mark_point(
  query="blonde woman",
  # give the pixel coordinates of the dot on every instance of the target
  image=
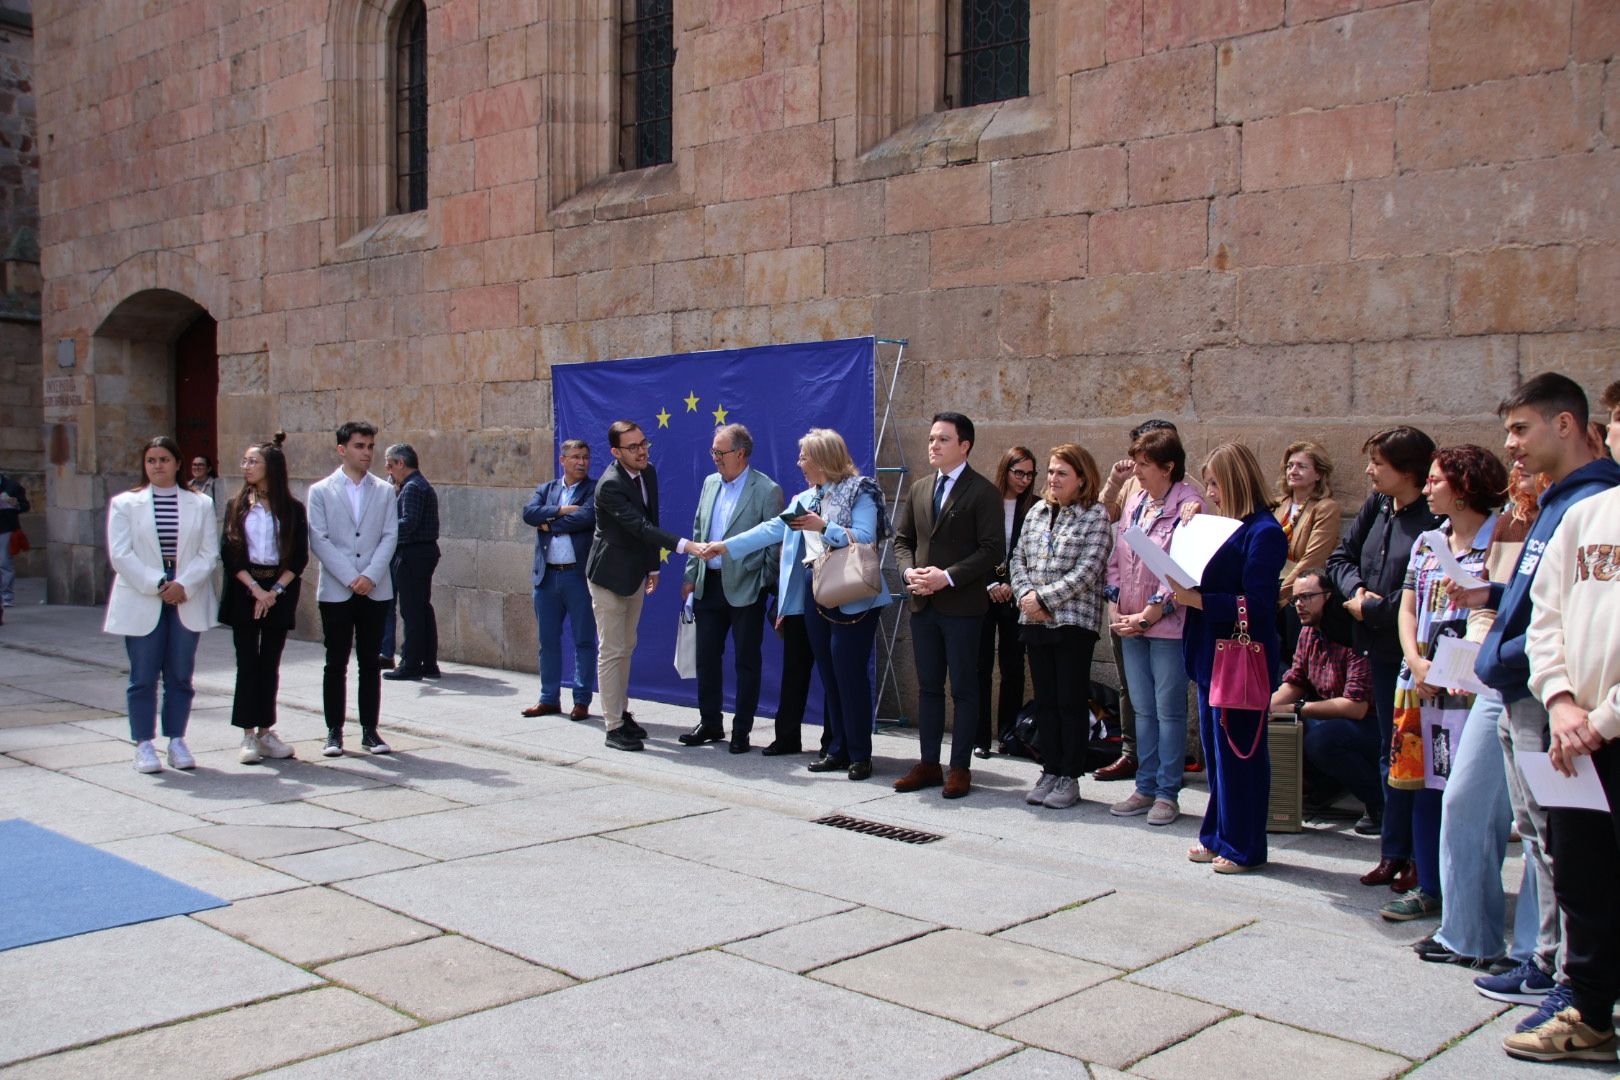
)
(1306, 510)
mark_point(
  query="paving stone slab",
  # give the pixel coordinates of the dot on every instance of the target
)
(229, 1044)
(10, 763)
(349, 861)
(13, 696)
(19, 668)
(1353, 989)
(292, 815)
(462, 775)
(699, 1016)
(81, 810)
(590, 907)
(1481, 1054)
(561, 815)
(1129, 929)
(970, 978)
(221, 783)
(1033, 1064)
(35, 736)
(820, 942)
(444, 977)
(1113, 1024)
(81, 989)
(63, 756)
(99, 688)
(923, 883)
(385, 803)
(315, 926)
(259, 842)
(202, 867)
(1255, 1049)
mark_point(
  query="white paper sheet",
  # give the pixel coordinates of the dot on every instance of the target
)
(1156, 560)
(1196, 541)
(1448, 562)
(1583, 791)
(1453, 667)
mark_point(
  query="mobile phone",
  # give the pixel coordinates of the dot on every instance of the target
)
(791, 515)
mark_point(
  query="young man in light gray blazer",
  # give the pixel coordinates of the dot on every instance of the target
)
(353, 529)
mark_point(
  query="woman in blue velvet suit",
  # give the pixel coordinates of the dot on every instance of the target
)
(1248, 566)
(839, 507)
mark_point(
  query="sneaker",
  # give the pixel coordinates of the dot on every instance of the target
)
(334, 744)
(251, 753)
(1369, 824)
(621, 739)
(1164, 812)
(1563, 1037)
(271, 746)
(1416, 904)
(1526, 984)
(370, 740)
(146, 759)
(180, 755)
(1064, 794)
(1558, 999)
(1432, 951)
(1043, 787)
(1138, 803)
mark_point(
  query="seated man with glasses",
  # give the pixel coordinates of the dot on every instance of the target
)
(1329, 686)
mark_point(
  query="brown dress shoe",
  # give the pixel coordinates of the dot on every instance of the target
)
(579, 712)
(1406, 880)
(921, 775)
(1123, 768)
(1384, 872)
(957, 783)
(542, 709)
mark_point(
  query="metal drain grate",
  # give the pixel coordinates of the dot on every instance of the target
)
(873, 828)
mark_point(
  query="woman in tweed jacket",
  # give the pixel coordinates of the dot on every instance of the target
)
(1057, 578)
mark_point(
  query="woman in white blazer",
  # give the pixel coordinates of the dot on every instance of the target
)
(163, 542)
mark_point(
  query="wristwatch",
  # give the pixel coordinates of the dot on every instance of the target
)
(1298, 705)
(278, 588)
(1142, 624)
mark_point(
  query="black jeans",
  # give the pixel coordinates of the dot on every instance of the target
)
(1001, 621)
(716, 618)
(1585, 848)
(413, 568)
(258, 673)
(1061, 671)
(798, 665)
(355, 624)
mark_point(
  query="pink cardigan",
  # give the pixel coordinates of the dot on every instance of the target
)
(1128, 574)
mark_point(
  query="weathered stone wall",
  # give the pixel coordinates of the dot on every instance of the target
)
(1265, 220)
(21, 443)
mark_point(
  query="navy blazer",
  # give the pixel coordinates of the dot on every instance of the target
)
(1249, 564)
(543, 509)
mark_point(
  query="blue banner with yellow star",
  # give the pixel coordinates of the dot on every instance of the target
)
(778, 392)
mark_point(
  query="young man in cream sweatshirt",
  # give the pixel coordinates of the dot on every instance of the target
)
(1573, 644)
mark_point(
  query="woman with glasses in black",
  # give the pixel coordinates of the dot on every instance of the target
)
(1015, 479)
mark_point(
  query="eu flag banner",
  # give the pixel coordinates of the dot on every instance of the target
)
(778, 392)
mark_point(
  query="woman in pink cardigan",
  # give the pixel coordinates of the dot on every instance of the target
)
(1143, 614)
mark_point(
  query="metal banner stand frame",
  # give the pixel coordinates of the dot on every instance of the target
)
(889, 461)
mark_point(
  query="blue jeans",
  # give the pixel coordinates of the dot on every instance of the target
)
(843, 652)
(1475, 821)
(169, 651)
(8, 574)
(1157, 680)
(1346, 752)
(564, 594)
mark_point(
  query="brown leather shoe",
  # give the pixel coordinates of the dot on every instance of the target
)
(958, 782)
(1406, 880)
(1123, 768)
(579, 712)
(1384, 872)
(921, 775)
(542, 709)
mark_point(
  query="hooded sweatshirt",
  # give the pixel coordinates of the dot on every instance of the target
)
(1574, 636)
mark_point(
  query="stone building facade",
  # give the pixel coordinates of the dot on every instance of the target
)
(1266, 219)
(21, 449)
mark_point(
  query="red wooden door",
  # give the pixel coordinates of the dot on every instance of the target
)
(196, 393)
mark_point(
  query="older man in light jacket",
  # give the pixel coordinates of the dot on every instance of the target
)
(353, 529)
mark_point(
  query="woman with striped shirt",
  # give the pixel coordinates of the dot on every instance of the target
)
(163, 543)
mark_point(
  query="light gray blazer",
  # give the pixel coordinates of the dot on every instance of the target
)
(347, 548)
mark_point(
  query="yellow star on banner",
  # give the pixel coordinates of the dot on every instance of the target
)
(720, 415)
(691, 400)
(663, 555)
(663, 416)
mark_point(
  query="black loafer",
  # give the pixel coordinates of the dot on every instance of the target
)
(700, 735)
(403, 675)
(776, 749)
(740, 746)
(861, 770)
(828, 764)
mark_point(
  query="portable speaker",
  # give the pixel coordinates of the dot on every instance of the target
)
(1285, 737)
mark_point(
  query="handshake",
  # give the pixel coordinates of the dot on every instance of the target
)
(705, 551)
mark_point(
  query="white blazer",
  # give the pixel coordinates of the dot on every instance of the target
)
(348, 548)
(133, 607)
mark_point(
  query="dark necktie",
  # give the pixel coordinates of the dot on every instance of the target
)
(641, 486)
(939, 493)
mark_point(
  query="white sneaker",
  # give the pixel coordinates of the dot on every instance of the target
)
(271, 746)
(251, 753)
(180, 755)
(1043, 787)
(146, 759)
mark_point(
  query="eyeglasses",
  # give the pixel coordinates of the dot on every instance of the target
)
(1022, 474)
(1306, 596)
(720, 455)
(636, 447)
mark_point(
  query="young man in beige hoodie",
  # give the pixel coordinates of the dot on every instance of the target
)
(1574, 648)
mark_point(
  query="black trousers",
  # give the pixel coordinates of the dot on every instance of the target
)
(258, 673)
(413, 568)
(798, 664)
(941, 645)
(1061, 671)
(999, 637)
(1585, 847)
(717, 617)
(355, 624)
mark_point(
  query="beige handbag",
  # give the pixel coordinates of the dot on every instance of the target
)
(847, 574)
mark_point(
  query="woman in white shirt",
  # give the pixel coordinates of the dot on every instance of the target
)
(163, 544)
(265, 549)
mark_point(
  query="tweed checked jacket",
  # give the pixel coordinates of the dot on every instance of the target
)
(1062, 554)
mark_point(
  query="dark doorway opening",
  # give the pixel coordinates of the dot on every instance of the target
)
(196, 391)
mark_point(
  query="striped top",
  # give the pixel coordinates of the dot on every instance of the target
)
(166, 508)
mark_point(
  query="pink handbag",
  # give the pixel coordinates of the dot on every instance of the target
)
(1240, 679)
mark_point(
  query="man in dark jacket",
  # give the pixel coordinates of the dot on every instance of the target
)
(563, 515)
(13, 503)
(415, 558)
(1546, 433)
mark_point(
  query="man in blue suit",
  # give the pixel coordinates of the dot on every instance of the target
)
(563, 514)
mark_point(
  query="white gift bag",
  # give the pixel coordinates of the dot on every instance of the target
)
(686, 645)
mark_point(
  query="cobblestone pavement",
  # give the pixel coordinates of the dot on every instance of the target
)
(506, 897)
